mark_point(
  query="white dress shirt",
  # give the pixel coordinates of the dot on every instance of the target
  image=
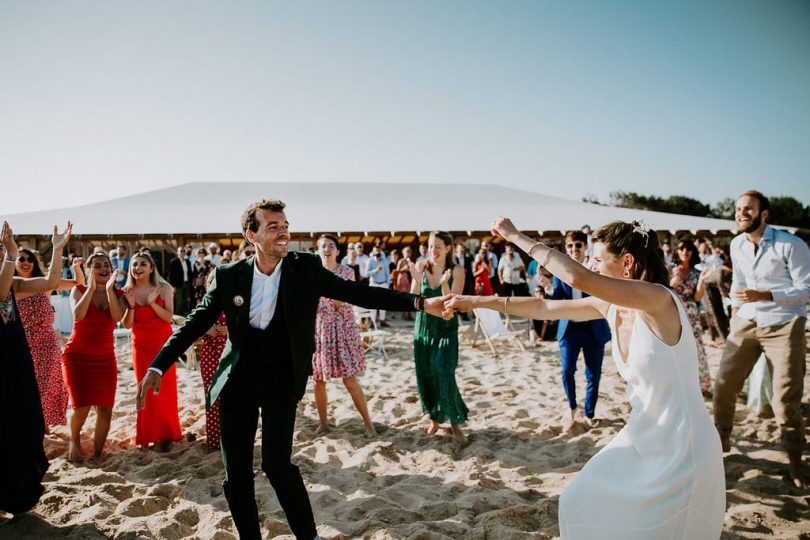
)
(264, 296)
(510, 268)
(263, 299)
(781, 265)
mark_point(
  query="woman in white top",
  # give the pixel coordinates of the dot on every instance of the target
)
(662, 475)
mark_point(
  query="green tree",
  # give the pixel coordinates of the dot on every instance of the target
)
(679, 204)
(724, 209)
(630, 199)
(591, 198)
(788, 211)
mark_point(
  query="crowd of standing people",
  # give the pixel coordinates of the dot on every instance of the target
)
(269, 318)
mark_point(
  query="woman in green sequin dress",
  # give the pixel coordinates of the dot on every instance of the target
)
(435, 341)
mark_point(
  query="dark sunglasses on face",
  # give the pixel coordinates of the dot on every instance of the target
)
(577, 245)
(24, 259)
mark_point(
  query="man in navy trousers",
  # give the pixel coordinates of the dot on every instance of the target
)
(588, 336)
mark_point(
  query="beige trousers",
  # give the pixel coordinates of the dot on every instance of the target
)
(784, 348)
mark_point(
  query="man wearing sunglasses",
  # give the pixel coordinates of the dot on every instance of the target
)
(588, 336)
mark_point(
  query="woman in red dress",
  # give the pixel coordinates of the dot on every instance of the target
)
(149, 310)
(37, 316)
(483, 286)
(88, 361)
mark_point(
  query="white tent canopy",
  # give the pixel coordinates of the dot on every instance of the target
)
(215, 208)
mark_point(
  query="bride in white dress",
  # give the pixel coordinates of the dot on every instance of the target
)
(662, 476)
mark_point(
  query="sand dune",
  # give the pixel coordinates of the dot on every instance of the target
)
(404, 483)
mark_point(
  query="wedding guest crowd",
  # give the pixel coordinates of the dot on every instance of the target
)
(769, 291)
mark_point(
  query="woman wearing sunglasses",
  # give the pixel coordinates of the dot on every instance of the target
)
(687, 281)
(38, 318)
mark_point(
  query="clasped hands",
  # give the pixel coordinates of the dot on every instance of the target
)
(445, 307)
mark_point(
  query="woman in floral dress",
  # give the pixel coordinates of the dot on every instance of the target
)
(338, 349)
(37, 316)
(687, 282)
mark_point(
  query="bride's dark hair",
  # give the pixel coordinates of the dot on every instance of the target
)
(635, 238)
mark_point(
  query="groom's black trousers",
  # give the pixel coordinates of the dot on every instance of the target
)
(261, 386)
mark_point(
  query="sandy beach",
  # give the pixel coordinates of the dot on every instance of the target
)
(404, 483)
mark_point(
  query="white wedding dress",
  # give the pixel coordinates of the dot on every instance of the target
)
(662, 476)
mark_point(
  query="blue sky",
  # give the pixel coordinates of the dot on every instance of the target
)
(705, 99)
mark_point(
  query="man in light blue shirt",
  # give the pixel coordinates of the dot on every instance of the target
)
(379, 275)
(770, 290)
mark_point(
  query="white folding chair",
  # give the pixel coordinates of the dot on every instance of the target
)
(372, 337)
(493, 328)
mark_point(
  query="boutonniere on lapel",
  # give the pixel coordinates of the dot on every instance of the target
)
(238, 301)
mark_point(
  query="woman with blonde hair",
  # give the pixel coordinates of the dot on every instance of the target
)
(149, 311)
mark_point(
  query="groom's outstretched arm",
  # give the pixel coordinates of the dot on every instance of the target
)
(198, 322)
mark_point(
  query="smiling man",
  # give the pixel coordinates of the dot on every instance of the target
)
(270, 301)
(770, 289)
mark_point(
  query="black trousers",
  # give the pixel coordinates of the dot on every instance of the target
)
(242, 400)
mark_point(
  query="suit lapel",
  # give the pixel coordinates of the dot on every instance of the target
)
(286, 284)
(243, 288)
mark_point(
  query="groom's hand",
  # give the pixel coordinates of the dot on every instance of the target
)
(152, 380)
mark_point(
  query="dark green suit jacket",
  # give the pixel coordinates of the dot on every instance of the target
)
(304, 281)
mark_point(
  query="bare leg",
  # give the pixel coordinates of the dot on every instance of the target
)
(359, 400)
(460, 438)
(795, 468)
(77, 419)
(569, 420)
(320, 404)
(103, 419)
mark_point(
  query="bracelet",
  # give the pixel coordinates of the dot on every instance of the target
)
(545, 259)
(419, 302)
(531, 249)
(548, 253)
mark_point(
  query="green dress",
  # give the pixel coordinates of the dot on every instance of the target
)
(435, 353)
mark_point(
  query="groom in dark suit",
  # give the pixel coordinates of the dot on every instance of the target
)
(588, 336)
(270, 301)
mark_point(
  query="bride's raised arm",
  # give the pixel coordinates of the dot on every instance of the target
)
(632, 290)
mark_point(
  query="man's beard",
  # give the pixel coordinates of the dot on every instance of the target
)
(752, 225)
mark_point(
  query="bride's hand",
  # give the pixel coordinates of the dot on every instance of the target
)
(503, 227)
(458, 303)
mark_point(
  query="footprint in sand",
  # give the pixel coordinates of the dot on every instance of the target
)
(169, 491)
(187, 516)
(142, 506)
(119, 492)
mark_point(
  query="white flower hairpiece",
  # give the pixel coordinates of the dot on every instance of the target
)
(643, 229)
